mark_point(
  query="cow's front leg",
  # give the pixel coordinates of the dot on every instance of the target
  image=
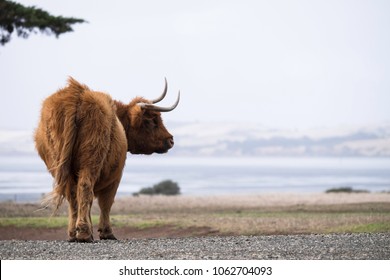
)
(105, 200)
(84, 202)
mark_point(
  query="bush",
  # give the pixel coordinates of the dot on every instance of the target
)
(345, 190)
(148, 191)
(166, 187)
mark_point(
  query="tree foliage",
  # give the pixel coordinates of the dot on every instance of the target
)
(26, 20)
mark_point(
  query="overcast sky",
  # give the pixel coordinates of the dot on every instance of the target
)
(286, 64)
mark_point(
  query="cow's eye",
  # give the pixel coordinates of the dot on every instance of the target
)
(151, 124)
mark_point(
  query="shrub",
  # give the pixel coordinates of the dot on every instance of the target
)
(148, 191)
(166, 187)
(345, 190)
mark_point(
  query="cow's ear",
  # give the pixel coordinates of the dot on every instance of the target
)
(136, 115)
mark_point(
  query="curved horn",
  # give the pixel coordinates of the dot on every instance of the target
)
(158, 108)
(162, 95)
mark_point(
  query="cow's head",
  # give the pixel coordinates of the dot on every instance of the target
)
(147, 133)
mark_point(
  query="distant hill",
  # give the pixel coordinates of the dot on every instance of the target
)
(243, 139)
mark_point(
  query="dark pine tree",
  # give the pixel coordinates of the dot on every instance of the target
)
(26, 20)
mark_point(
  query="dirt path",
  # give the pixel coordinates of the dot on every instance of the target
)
(30, 233)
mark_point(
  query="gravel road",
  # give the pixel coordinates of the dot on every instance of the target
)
(301, 247)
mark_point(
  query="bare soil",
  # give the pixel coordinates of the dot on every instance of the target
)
(33, 233)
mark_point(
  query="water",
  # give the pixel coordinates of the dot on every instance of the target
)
(26, 178)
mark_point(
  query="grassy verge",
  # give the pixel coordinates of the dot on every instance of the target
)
(62, 221)
(298, 219)
(35, 222)
(368, 227)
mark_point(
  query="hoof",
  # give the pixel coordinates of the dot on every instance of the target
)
(84, 234)
(85, 239)
(72, 235)
(108, 237)
(106, 234)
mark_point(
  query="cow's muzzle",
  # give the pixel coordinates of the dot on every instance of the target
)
(170, 143)
(167, 144)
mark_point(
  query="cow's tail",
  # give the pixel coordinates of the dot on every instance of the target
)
(66, 136)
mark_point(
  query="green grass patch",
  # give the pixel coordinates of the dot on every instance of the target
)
(365, 228)
(35, 222)
(62, 221)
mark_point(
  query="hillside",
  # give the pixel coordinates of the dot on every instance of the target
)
(240, 139)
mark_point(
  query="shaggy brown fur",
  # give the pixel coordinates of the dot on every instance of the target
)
(83, 137)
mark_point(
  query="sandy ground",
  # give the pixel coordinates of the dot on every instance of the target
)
(246, 201)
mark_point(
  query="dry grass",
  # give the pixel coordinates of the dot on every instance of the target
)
(144, 204)
(248, 215)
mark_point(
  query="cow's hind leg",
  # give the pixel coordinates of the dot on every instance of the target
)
(71, 196)
(105, 200)
(84, 203)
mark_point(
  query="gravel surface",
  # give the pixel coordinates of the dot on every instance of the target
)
(300, 247)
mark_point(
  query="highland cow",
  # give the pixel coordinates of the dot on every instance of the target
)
(83, 137)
